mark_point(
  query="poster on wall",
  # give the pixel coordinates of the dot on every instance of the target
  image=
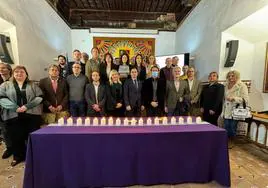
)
(265, 80)
(132, 46)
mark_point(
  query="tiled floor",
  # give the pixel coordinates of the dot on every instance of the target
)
(249, 169)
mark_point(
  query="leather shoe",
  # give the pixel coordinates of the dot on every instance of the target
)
(7, 153)
(15, 162)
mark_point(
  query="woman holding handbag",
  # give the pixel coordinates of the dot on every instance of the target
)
(234, 94)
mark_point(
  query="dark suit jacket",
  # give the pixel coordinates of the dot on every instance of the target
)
(166, 73)
(132, 94)
(70, 66)
(52, 98)
(212, 97)
(111, 96)
(142, 73)
(104, 77)
(90, 97)
(147, 92)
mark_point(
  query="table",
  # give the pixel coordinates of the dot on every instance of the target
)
(123, 156)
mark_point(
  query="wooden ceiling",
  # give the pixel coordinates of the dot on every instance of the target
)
(164, 15)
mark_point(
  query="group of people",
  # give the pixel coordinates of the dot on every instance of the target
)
(95, 87)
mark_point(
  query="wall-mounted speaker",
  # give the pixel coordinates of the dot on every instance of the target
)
(5, 47)
(231, 52)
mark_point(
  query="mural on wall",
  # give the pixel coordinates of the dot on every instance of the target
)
(132, 46)
(265, 80)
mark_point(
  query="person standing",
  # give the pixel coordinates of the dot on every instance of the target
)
(55, 95)
(177, 95)
(95, 96)
(76, 84)
(21, 102)
(166, 73)
(77, 59)
(211, 99)
(132, 94)
(63, 66)
(93, 64)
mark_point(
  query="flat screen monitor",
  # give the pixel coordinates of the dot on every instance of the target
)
(183, 59)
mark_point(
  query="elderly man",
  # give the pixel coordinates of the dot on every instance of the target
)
(166, 72)
(211, 99)
(175, 61)
(55, 94)
(177, 95)
(195, 88)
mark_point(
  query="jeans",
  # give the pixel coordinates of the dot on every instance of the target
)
(77, 108)
(230, 125)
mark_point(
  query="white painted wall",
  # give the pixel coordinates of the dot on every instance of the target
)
(164, 41)
(200, 34)
(41, 33)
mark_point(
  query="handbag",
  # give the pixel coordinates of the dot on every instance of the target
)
(242, 113)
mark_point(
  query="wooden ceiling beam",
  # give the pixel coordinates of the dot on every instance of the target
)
(116, 11)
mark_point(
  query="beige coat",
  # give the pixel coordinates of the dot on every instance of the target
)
(239, 91)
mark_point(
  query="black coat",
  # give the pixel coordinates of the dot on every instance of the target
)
(212, 97)
(113, 96)
(103, 75)
(147, 92)
(132, 94)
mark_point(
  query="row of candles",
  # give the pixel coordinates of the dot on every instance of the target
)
(126, 121)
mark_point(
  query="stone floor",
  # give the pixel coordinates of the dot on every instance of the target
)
(249, 169)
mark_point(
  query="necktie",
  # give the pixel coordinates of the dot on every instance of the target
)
(136, 84)
(54, 85)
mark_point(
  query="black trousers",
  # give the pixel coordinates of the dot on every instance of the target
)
(212, 119)
(19, 129)
(134, 112)
(5, 136)
(154, 111)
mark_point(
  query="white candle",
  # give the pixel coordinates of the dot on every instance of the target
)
(118, 122)
(87, 121)
(149, 121)
(198, 120)
(95, 121)
(126, 122)
(110, 121)
(181, 120)
(133, 121)
(79, 121)
(164, 121)
(61, 121)
(103, 121)
(189, 120)
(70, 121)
(173, 121)
(156, 121)
(141, 121)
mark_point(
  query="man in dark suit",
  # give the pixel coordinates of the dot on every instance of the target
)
(153, 93)
(166, 73)
(211, 99)
(132, 94)
(77, 59)
(95, 96)
(177, 95)
(55, 95)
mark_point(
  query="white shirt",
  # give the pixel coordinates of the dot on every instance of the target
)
(96, 87)
(190, 82)
(177, 85)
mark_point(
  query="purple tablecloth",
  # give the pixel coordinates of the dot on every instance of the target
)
(122, 156)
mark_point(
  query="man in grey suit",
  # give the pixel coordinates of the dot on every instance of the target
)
(195, 92)
(177, 94)
(132, 94)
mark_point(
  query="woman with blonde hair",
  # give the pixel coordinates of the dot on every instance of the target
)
(21, 102)
(235, 92)
(114, 91)
(151, 63)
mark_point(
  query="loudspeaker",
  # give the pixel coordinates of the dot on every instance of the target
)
(231, 52)
(4, 51)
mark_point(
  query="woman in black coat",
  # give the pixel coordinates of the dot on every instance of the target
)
(106, 67)
(141, 69)
(114, 92)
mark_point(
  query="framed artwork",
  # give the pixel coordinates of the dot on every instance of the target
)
(265, 80)
(132, 46)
